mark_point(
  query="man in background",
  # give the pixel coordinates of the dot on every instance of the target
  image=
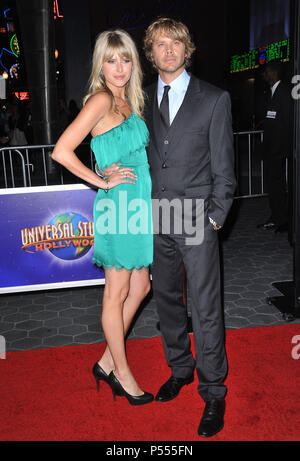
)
(276, 145)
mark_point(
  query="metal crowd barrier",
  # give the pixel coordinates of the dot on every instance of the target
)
(249, 164)
(26, 166)
(32, 165)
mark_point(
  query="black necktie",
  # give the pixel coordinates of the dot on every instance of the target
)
(164, 107)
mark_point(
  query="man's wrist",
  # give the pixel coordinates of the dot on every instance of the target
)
(107, 184)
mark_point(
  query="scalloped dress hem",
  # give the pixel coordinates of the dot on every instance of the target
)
(119, 268)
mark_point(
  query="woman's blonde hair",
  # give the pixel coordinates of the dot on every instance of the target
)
(172, 29)
(107, 44)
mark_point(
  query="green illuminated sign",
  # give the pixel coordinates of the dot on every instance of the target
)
(14, 45)
(259, 56)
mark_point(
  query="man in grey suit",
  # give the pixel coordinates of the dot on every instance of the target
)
(191, 157)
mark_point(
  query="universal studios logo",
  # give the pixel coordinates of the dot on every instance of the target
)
(67, 236)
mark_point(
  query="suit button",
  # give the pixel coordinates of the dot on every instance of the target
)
(164, 165)
(163, 188)
(166, 141)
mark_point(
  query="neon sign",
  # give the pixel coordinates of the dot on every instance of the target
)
(5, 15)
(259, 56)
(56, 10)
(22, 95)
(9, 55)
(13, 71)
(14, 45)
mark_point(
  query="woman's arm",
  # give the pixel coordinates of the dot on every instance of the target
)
(89, 116)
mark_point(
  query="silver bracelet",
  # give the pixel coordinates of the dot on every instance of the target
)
(98, 171)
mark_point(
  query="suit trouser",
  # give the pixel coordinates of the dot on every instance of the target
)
(202, 268)
(276, 187)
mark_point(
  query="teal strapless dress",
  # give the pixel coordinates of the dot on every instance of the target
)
(122, 216)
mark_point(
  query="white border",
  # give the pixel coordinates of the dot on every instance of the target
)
(28, 190)
(52, 286)
(55, 285)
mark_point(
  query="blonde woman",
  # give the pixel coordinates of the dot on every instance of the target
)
(112, 113)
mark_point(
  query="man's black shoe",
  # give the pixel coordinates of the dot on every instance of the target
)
(269, 225)
(171, 388)
(212, 420)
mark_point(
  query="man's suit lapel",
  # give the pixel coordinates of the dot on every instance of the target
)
(277, 92)
(157, 124)
(175, 131)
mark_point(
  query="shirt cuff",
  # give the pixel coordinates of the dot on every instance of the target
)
(214, 223)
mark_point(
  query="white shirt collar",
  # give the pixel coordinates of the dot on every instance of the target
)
(178, 85)
(273, 88)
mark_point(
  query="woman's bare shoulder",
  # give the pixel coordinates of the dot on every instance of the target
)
(100, 101)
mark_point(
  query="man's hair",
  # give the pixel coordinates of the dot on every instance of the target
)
(172, 29)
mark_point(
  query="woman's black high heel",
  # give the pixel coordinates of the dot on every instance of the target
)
(118, 389)
(99, 374)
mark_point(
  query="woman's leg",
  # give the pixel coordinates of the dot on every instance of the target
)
(123, 294)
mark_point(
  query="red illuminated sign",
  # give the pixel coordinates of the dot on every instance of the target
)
(21, 95)
(56, 10)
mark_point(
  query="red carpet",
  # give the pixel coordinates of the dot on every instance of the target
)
(50, 394)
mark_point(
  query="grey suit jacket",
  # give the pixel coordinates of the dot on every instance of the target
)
(195, 157)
